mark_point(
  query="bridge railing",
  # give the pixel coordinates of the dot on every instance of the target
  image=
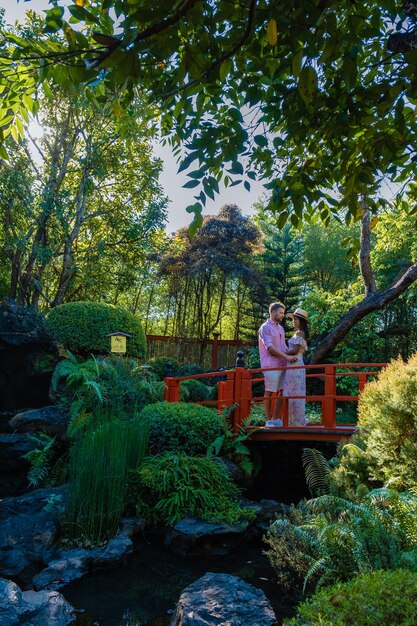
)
(235, 387)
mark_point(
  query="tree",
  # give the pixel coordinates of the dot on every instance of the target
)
(211, 275)
(80, 215)
(314, 97)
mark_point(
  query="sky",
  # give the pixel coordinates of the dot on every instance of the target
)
(171, 181)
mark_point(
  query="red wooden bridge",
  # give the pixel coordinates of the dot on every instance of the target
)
(236, 389)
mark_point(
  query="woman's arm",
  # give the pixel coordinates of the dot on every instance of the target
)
(294, 350)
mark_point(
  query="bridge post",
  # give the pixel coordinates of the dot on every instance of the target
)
(362, 377)
(328, 417)
(172, 389)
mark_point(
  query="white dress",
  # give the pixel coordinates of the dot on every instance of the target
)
(295, 384)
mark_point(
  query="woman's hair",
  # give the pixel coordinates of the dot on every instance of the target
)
(303, 326)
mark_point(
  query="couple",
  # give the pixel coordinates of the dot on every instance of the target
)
(274, 352)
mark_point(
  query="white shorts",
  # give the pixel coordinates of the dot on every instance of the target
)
(274, 380)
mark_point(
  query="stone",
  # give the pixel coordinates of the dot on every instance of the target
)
(223, 600)
(70, 564)
(32, 608)
(13, 467)
(29, 529)
(266, 512)
(52, 420)
(195, 536)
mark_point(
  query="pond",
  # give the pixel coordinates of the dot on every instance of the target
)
(144, 591)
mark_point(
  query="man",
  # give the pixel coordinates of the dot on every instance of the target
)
(272, 351)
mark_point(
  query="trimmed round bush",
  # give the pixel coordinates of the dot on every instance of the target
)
(388, 422)
(181, 427)
(83, 327)
(194, 390)
(373, 599)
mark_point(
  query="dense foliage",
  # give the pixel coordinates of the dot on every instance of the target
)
(83, 327)
(181, 427)
(168, 487)
(388, 422)
(372, 599)
(99, 464)
(329, 538)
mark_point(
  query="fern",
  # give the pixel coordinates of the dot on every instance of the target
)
(40, 458)
(316, 469)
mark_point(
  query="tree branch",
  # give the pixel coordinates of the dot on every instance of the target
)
(371, 303)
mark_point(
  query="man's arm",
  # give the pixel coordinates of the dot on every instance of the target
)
(275, 352)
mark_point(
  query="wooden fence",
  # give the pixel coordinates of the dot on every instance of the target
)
(210, 353)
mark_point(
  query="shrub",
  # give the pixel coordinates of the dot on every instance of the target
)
(181, 426)
(328, 538)
(83, 327)
(169, 487)
(189, 369)
(350, 475)
(388, 422)
(159, 363)
(194, 391)
(373, 599)
(108, 381)
(99, 464)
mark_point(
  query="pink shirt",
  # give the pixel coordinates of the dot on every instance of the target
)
(271, 334)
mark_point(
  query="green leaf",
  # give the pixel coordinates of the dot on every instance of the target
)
(307, 84)
(297, 61)
(3, 153)
(195, 225)
(225, 69)
(191, 184)
(260, 140)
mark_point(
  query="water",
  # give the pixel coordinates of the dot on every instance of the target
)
(144, 591)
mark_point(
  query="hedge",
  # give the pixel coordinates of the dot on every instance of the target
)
(83, 327)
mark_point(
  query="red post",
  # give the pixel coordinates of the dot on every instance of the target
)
(328, 417)
(284, 411)
(214, 351)
(172, 389)
(237, 398)
(222, 396)
(362, 380)
(245, 395)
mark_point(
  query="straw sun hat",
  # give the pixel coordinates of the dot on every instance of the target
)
(299, 313)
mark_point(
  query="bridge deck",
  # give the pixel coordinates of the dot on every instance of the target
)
(313, 432)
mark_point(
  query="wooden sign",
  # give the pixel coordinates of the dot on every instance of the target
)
(118, 344)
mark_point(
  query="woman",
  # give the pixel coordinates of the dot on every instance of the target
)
(295, 379)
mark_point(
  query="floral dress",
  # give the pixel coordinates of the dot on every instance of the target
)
(295, 384)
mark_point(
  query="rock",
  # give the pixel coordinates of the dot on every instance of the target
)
(223, 600)
(266, 512)
(52, 420)
(27, 355)
(32, 608)
(13, 467)
(195, 536)
(29, 529)
(73, 563)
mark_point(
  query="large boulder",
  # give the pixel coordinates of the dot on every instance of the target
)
(52, 420)
(220, 600)
(13, 466)
(32, 608)
(195, 536)
(27, 357)
(71, 564)
(29, 529)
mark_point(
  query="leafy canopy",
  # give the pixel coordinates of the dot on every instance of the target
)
(316, 97)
